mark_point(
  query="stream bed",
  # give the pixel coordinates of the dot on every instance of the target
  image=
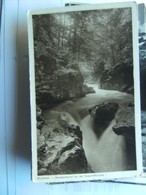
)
(107, 153)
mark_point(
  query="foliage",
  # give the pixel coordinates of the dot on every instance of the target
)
(87, 42)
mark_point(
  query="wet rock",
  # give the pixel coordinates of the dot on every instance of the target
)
(87, 89)
(125, 126)
(125, 130)
(62, 152)
(75, 130)
(103, 114)
(104, 111)
(125, 123)
(73, 160)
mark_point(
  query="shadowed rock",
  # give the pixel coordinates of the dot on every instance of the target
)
(125, 123)
(62, 85)
(142, 84)
(103, 114)
(104, 111)
(119, 77)
(87, 89)
(61, 150)
(125, 130)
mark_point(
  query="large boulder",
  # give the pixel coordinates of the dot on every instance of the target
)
(62, 85)
(125, 126)
(103, 114)
(87, 89)
(125, 122)
(60, 150)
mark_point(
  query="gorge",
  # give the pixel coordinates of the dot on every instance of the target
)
(84, 87)
(107, 153)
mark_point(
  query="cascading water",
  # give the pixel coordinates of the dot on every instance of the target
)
(107, 153)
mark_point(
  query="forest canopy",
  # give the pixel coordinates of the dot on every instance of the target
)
(85, 42)
(95, 40)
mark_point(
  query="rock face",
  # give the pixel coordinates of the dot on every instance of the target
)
(125, 123)
(125, 127)
(40, 120)
(103, 114)
(60, 86)
(60, 149)
(87, 89)
(119, 77)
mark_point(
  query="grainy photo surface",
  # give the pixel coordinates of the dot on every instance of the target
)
(142, 54)
(84, 92)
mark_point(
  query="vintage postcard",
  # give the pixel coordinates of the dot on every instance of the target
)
(84, 91)
(142, 58)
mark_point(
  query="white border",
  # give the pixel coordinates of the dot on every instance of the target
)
(91, 176)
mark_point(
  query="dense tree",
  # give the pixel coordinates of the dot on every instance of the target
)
(102, 36)
(87, 42)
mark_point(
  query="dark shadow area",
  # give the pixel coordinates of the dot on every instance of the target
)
(143, 83)
(22, 142)
(143, 108)
(131, 154)
(142, 49)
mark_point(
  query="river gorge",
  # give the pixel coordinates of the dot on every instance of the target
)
(108, 152)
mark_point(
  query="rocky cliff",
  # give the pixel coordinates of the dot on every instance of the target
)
(125, 122)
(60, 149)
(60, 86)
(119, 77)
(125, 126)
(104, 113)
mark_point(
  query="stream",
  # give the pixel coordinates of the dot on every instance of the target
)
(109, 152)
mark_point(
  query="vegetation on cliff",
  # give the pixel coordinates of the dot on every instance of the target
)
(72, 50)
(76, 47)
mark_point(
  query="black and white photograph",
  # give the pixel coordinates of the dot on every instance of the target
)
(85, 98)
(142, 58)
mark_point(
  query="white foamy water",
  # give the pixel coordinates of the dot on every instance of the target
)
(107, 153)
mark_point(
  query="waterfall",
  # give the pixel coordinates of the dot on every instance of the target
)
(107, 153)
